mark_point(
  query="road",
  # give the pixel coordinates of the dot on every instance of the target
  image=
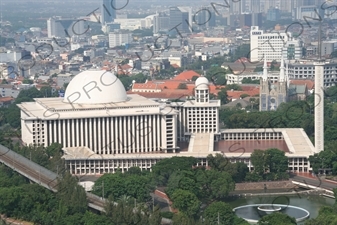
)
(317, 182)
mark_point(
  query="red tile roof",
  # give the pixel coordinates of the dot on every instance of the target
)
(186, 75)
(6, 99)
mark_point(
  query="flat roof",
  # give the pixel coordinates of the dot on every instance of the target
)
(295, 143)
(55, 108)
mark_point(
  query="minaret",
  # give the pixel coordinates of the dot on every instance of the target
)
(319, 97)
(265, 70)
(282, 73)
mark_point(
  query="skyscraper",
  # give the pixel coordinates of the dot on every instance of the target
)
(179, 20)
(108, 11)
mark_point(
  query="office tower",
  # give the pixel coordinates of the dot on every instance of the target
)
(108, 11)
(205, 18)
(267, 45)
(179, 20)
(60, 27)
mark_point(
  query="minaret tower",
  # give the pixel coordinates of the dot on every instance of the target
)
(202, 90)
(319, 97)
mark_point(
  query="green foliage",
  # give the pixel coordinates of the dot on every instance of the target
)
(128, 213)
(27, 81)
(217, 75)
(257, 69)
(186, 202)
(277, 219)
(28, 95)
(222, 96)
(241, 51)
(238, 171)
(272, 160)
(163, 169)
(182, 86)
(131, 184)
(250, 80)
(219, 212)
(72, 195)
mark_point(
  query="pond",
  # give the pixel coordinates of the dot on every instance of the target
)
(310, 203)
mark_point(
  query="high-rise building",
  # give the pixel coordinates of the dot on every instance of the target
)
(108, 11)
(119, 38)
(268, 45)
(273, 14)
(205, 17)
(179, 20)
(293, 49)
(60, 27)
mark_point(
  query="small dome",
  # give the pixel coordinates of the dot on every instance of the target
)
(95, 87)
(201, 82)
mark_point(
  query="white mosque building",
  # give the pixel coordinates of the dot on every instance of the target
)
(103, 129)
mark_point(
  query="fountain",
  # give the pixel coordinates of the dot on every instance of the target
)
(253, 213)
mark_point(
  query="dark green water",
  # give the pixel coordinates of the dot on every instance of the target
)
(310, 203)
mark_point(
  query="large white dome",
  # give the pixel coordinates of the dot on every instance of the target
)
(95, 87)
(201, 82)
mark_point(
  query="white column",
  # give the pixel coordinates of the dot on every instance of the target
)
(133, 133)
(90, 135)
(59, 131)
(94, 144)
(85, 130)
(68, 133)
(110, 144)
(116, 136)
(120, 135)
(129, 139)
(137, 135)
(104, 147)
(150, 132)
(50, 136)
(158, 137)
(77, 131)
(126, 146)
(319, 106)
(82, 131)
(72, 121)
(141, 127)
(99, 143)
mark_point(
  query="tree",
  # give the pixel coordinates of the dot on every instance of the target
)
(215, 185)
(163, 169)
(182, 86)
(258, 161)
(72, 195)
(250, 80)
(222, 96)
(217, 75)
(276, 160)
(194, 78)
(219, 212)
(277, 219)
(27, 81)
(186, 202)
